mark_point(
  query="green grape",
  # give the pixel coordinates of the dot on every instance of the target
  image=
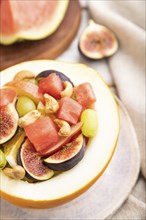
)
(3, 160)
(24, 105)
(90, 122)
(32, 80)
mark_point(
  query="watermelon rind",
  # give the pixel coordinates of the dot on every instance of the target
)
(38, 33)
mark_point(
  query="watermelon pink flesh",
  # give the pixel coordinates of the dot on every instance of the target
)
(18, 15)
(6, 19)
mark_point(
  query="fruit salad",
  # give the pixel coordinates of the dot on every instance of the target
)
(46, 122)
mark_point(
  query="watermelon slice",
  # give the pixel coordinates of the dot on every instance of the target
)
(30, 20)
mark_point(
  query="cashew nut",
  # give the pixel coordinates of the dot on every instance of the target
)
(41, 108)
(29, 118)
(64, 127)
(24, 74)
(51, 104)
(17, 172)
(68, 89)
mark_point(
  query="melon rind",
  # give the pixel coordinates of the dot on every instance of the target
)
(41, 32)
(70, 184)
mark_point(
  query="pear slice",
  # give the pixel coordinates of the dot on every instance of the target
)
(11, 148)
(100, 149)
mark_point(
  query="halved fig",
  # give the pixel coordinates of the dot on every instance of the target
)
(32, 163)
(8, 122)
(62, 76)
(97, 41)
(74, 130)
(68, 156)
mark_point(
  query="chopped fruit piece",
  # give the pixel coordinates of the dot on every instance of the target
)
(42, 133)
(28, 89)
(61, 75)
(11, 148)
(3, 160)
(25, 105)
(68, 156)
(90, 122)
(51, 85)
(75, 129)
(8, 122)
(84, 94)
(69, 110)
(35, 170)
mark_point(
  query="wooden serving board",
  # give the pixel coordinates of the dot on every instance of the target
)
(48, 48)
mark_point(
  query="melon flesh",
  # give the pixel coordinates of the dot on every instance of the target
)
(30, 19)
(70, 184)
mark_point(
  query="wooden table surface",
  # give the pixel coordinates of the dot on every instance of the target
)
(48, 48)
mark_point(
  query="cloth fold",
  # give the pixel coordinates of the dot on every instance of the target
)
(127, 66)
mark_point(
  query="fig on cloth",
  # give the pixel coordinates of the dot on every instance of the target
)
(97, 41)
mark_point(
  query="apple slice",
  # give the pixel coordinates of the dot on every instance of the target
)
(28, 89)
(64, 140)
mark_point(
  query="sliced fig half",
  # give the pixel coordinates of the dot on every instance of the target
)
(7, 96)
(62, 76)
(97, 41)
(32, 163)
(8, 122)
(68, 156)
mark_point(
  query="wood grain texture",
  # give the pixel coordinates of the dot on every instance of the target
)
(48, 48)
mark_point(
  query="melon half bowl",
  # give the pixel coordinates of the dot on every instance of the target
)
(68, 185)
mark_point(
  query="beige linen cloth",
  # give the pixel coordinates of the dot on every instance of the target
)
(127, 20)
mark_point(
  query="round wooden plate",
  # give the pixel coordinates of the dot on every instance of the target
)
(48, 48)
